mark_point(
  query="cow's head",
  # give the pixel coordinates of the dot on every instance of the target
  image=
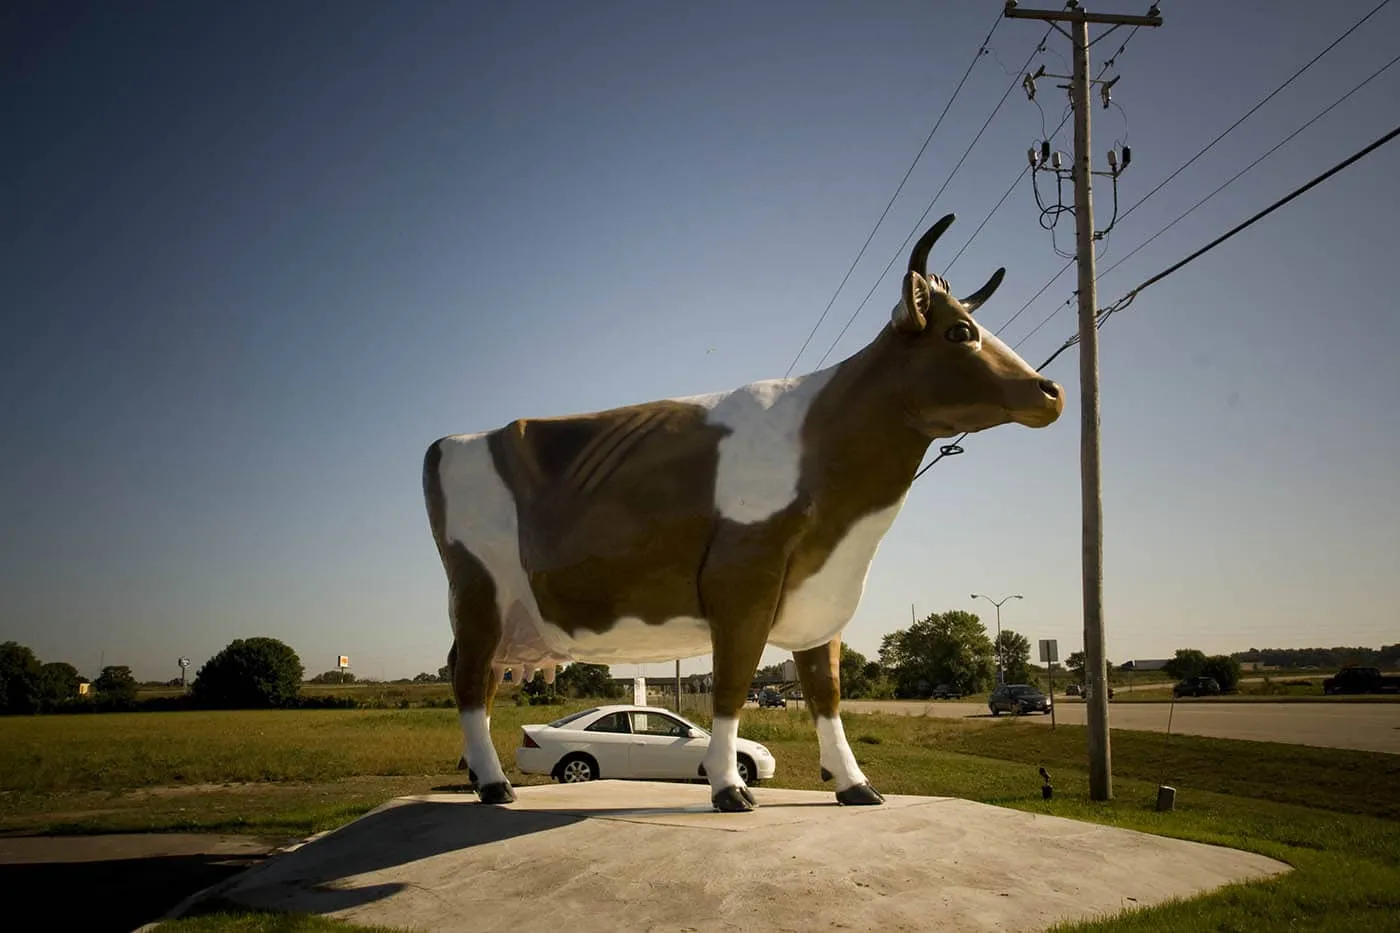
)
(955, 375)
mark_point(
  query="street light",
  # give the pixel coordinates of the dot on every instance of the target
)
(1000, 676)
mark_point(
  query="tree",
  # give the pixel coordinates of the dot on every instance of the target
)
(854, 680)
(445, 674)
(1187, 662)
(19, 679)
(116, 682)
(1225, 670)
(333, 677)
(951, 647)
(586, 680)
(1074, 663)
(250, 673)
(1015, 651)
(58, 681)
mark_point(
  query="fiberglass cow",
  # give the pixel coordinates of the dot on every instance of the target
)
(711, 524)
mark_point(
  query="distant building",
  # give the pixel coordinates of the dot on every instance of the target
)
(1150, 664)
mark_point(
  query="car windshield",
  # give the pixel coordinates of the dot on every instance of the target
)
(572, 716)
(1022, 691)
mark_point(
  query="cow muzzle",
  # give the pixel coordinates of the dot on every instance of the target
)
(1037, 403)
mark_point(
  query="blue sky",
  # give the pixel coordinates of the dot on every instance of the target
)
(257, 256)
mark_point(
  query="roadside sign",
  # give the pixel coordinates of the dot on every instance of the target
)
(344, 661)
(1049, 650)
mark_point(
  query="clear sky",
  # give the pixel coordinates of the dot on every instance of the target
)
(257, 256)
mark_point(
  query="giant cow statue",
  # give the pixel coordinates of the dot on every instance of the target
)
(710, 524)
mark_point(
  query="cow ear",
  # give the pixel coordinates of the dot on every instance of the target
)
(911, 314)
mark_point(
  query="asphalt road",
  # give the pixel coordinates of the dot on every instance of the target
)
(1373, 727)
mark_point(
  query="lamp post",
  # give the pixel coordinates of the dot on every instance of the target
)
(1000, 675)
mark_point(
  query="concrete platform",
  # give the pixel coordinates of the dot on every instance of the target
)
(643, 856)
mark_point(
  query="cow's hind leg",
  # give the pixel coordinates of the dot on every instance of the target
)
(819, 669)
(476, 626)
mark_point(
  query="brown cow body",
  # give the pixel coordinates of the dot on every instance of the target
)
(715, 524)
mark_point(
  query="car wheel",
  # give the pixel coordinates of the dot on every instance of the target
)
(577, 768)
(747, 772)
(995, 711)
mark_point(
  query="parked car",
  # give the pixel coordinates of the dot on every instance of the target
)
(1197, 687)
(1361, 680)
(771, 698)
(631, 743)
(1077, 690)
(946, 692)
(1019, 699)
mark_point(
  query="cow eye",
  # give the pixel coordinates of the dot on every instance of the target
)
(960, 332)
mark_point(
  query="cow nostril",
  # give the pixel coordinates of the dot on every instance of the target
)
(1049, 388)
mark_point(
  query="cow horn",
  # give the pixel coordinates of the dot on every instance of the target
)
(974, 301)
(918, 259)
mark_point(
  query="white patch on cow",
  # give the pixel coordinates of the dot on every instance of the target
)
(760, 460)
(819, 608)
(835, 753)
(633, 641)
(479, 752)
(721, 759)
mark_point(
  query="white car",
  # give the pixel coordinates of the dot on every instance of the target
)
(634, 742)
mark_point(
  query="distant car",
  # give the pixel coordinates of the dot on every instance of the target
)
(1197, 687)
(629, 743)
(1361, 680)
(1019, 699)
(946, 692)
(771, 698)
(752, 697)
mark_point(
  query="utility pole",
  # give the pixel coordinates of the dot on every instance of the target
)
(1091, 489)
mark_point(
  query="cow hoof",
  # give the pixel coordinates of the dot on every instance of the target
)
(859, 795)
(733, 800)
(497, 793)
(462, 764)
(827, 775)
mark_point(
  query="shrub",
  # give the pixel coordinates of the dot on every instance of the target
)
(250, 673)
(19, 679)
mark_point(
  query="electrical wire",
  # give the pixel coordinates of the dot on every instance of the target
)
(1233, 178)
(1009, 88)
(1376, 9)
(981, 50)
(1333, 44)
(1103, 315)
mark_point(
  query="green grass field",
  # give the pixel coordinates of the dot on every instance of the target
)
(1334, 815)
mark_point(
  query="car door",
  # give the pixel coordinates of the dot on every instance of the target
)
(609, 739)
(661, 747)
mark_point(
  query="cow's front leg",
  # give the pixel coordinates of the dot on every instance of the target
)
(740, 587)
(819, 669)
(738, 646)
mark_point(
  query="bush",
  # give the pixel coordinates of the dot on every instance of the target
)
(1225, 670)
(20, 688)
(116, 686)
(251, 673)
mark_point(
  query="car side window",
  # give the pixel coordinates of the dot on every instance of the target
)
(655, 724)
(613, 722)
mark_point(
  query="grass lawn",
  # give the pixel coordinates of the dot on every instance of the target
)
(1332, 814)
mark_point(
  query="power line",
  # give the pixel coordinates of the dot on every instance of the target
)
(1104, 314)
(1233, 178)
(981, 50)
(1333, 44)
(1009, 88)
(1376, 9)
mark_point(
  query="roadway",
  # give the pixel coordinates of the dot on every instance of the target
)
(1373, 727)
